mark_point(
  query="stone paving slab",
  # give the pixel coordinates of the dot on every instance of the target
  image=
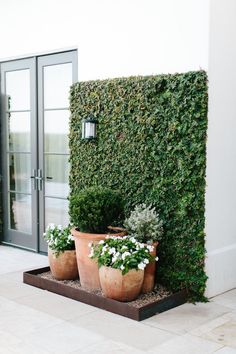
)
(35, 321)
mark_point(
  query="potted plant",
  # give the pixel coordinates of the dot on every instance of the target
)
(61, 252)
(121, 262)
(144, 223)
(92, 211)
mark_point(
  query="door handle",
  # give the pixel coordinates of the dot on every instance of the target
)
(39, 180)
(33, 177)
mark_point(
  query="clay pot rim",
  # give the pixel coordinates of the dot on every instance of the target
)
(91, 236)
(65, 251)
(120, 271)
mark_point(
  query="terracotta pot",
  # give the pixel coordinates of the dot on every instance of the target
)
(121, 287)
(149, 273)
(88, 268)
(63, 266)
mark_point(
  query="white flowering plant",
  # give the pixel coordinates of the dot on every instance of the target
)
(59, 239)
(122, 253)
(145, 224)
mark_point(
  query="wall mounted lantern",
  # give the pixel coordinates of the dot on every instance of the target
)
(89, 128)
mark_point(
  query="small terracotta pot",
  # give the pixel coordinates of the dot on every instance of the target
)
(121, 287)
(149, 273)
(63, 266)
(88, 268)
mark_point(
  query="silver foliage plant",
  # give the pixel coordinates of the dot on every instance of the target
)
(144, 224)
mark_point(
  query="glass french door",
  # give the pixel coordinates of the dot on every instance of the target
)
(34, 136)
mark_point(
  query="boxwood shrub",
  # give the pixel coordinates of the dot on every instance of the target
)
(94, 209)
(151, 146)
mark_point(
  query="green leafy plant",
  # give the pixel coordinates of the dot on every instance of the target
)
(145, 224)
(59, 239)
(94, 209)
(122, 253)
(151, 146)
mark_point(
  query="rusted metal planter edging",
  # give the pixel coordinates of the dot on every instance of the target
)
(120, 308)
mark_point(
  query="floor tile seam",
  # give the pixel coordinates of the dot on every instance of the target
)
(54, 315)
(32, 332)
(163, 329)
(226, 320)
(225, 292)
(221, 304)
(104, 339)
(225, 346)
(186, 331)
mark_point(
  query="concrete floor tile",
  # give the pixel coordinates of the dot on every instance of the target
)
(226, 350)
(109, 347)
(56, 305)
(227, 299)
(6, 338)
(186, 344)
(63, 338)
(21, 320)
(224, 334)
(23, 348)
(210, 325)
(187, 317)
(11, 290)
(122, 330)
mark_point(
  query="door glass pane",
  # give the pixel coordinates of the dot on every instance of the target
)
(56, 211)
(20, 212)
(57, 82)
(56, 130)
(19, 131)
(56, 175)
(18, 90)
(19, 172)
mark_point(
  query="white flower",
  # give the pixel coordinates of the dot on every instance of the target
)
(59, 227)
(145, 261)
(141, 266)
(125, 254)
(71, 237)
(122, 267)
(51, 226)
(101, 242)
(150, 248)
(157, 258)
(91, 254)
(90, 244)
(112, 250)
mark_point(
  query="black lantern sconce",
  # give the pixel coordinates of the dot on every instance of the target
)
(89, 128)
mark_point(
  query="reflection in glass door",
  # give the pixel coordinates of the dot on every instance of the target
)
(19, 152)
(34, 136)
(55, 77)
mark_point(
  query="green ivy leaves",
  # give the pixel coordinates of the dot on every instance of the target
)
(151, 146)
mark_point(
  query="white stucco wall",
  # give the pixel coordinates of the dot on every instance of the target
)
(140, 37)
(114, 38)
(221, 149)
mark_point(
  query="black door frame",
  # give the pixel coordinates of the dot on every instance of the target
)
(9, 236)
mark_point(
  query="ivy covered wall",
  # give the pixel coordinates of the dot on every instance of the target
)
(151, 146)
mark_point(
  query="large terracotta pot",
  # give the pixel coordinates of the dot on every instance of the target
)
(149, 273)
(63, 266)
(88, 268)
(121, 287)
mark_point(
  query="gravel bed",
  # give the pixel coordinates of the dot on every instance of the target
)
(159, 292)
